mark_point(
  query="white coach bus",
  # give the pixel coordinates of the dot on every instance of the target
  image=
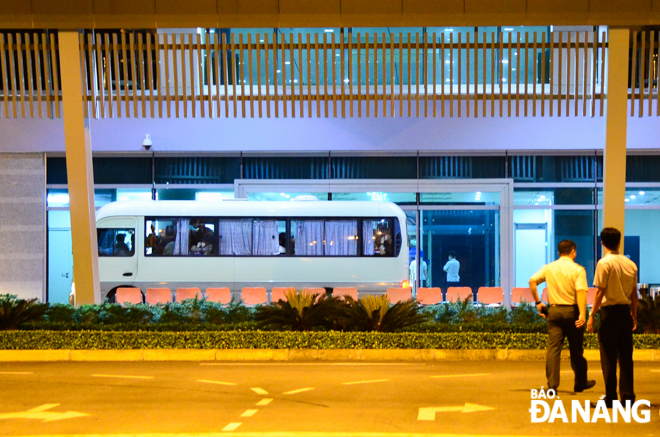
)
(240, 244)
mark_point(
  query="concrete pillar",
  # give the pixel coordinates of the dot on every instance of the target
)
(616, 118)
(79, 173)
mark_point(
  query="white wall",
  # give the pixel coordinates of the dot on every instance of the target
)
(297, 134)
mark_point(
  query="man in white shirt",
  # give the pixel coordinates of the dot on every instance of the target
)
(567, 296)
(423, 271)
(616, 279)
(452, 267)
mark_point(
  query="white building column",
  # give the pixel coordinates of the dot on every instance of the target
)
(79, 172)
(616, 118)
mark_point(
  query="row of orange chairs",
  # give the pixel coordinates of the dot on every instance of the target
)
(259, 295)
(249, 295)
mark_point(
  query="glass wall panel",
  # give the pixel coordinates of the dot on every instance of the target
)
(472, 237)
(462, 167)
(287, 196)
(453, 198)
(285, 167)
(537, 233)
(379, 196)
(553, 196)
(637, 196)
(553, 168)
(374, 167)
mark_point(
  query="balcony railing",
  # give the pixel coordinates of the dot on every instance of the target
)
(340, 74)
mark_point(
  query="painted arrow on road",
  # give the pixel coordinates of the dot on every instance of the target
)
(428, 413)
(40, 413)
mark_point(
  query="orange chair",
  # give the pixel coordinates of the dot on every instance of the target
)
(218, 295)
(591, 295)
(130, 295)
(520, 295)
(429, 296)
(315, 290)
(279, 293)
(345, 291)
(254, 296)
(158, 295)
(490, 295)
(456, 294)
(188, 293)
(396, 294)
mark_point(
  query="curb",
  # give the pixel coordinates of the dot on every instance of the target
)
(302, 355)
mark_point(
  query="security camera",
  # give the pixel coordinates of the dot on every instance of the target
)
(146, 143)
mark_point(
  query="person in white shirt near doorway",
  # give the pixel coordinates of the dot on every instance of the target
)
(452, 267)
(616, 279)
(567, 315)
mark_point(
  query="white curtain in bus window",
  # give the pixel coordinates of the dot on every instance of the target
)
(182, 237)
(378, 237)
(265, 240)
(341, 237)
(236, 237)
(309, 241)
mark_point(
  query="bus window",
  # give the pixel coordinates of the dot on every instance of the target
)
(325, 237)
(201, 237)
(308, 237)
(265, 239)
(116, 242)
(341, 238)
(235, 237)
(179, 237)
(378, 237)
(160, 237)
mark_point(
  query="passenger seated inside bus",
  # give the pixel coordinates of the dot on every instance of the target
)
(121, 249)
(383, 244)
(282, 243)
(202, 245)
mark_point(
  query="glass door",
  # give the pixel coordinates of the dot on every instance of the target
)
(460, 247)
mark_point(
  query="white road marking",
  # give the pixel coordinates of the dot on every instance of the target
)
(264, 401)
(232, 426)
(249, 413)
(365, 382)
(465, 375)
(259, 391)
(428, 413)
(16, 373)
(99, 375)
(215, 382)
(40, 413)
(300, 390)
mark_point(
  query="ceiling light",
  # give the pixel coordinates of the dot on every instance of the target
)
(328, 30)
(641, 193)
(508, 29)
(633, 197)
(627, 200)
(287, 62)
(449, 30)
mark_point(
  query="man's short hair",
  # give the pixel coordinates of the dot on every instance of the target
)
(565, 247)
(611, 238)
(452, 253)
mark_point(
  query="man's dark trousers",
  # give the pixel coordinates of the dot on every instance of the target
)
(615, 339)
(561, 324)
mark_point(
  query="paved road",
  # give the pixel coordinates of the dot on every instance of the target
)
(333, 398)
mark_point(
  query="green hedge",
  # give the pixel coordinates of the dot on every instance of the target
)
(286, 340)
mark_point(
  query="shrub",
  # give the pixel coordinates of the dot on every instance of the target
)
(300, 311)
(375, 313)
(287, 340)
(15, 311)
(648, 313)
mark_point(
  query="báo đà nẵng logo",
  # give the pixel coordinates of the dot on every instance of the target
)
(548, 407)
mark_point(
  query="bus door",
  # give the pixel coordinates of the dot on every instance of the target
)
(117, 250)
